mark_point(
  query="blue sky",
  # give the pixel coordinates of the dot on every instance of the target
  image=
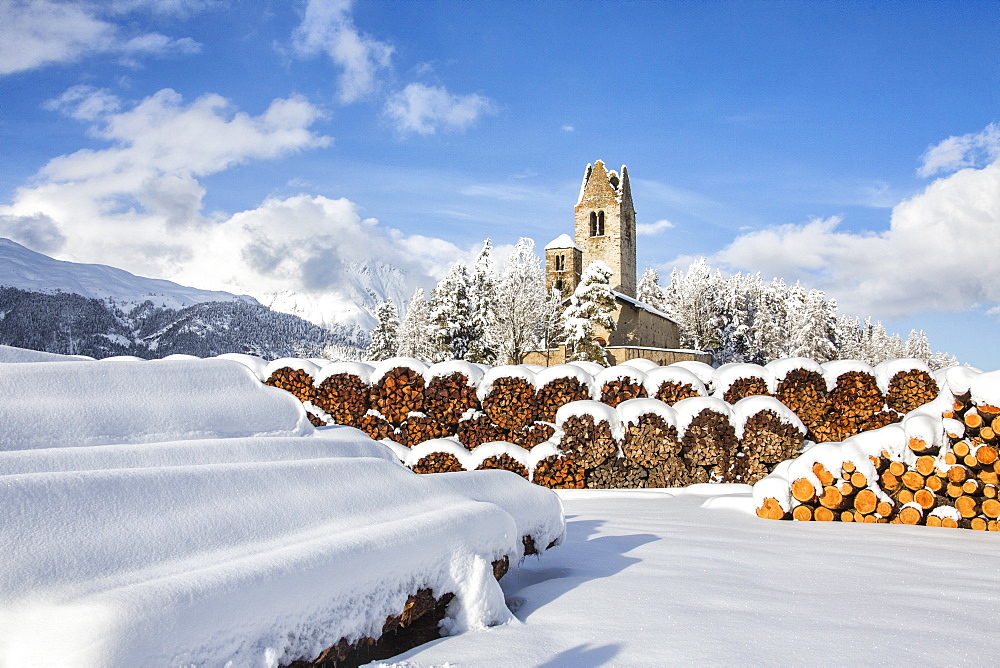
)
(261, 146)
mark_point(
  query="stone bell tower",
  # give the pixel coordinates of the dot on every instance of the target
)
(605, 224)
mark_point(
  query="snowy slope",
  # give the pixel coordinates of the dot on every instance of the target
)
(25, 269)
(692, 578)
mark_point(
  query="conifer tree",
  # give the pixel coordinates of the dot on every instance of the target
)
(482, 302)
(649, 291)
(592, 306)
(386, 332)
(416, 334)
(452, 315)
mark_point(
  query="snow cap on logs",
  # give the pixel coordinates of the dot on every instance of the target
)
(630, 411)
(505, 371)
(359, 369)
(673, 374)
(687, 409)
(473, 374)
(385, 366)
(727, 374)
(596, 410)
(782, 367)
(746, 408)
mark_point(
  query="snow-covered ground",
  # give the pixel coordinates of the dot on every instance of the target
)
(693, 577)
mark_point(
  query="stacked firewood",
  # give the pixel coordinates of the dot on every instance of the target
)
(505, 462)
(376, 426)
(294, 380)
(344, 396)
(476, 428)
(709, 439)
(651, 441)
(510, 402)
(558, 471)
(420, 427)
(803, 390)
(620, 384)
(937, 468)
(438, 462)
(588, 433)
(397, 391)
(770, 434)
(559, 386)
(448, 397)
(616, 473)
(910, 389)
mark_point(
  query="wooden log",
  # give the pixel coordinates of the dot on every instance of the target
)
(911, 515)
(859, 480)
(615, 473)
(987, 455)
(447, 398)
(823, 514)
(925, 498)
(832, 498)
(991, 508)
(344, 396)
(295, 381)
(802, 513)
(925, 465)
(709, 440)
(935, 483)
(745, 387)
(616, 391)
(474, 429)
(650, 442)
(913, 480)
(770, 509)
(803, 490)
(589, 443)
(557, 393)
(825, 477)
(911, 389)
(884, 508)
(866, 502)
(670, 392)
(398, 393)
(856, 397)
(967, 506)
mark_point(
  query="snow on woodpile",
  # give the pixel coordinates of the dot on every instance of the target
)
(985, 390)
(258, 563)
(329, 442)
(702, 371)
(10, 354)
(252, 362)
(293, 375)
(593, 368)
(397, 388)
(57, 404)
(641, 364)
(620, 383)
(707, 437)
(341, 391)
(732, 382)
(799, 383)
(438, 455)
(500, 455)
(769, 433)
(672, 383)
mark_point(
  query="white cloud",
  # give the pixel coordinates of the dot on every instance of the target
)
(568, 128)
(138, 205)
(970, 150)
(42, 32)
(327, 28)
(653, 228)
(939, 253)
(426, 109)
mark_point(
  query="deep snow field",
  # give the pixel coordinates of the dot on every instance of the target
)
(179, 512)
(693, 577)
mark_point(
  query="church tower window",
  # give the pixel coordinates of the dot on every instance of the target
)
(597, 224)
(560, 262)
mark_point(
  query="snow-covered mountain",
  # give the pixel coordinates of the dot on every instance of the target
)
(28, 270)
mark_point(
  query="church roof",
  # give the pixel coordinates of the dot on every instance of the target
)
(642, 305)
(562, 241)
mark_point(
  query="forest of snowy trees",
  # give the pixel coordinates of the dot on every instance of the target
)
(495, 317)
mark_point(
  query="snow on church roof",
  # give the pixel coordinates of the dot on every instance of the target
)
(562, 241)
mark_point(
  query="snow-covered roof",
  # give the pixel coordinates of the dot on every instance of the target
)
(562, 241)
(641, 305)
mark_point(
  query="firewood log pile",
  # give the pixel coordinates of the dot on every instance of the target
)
(404, 400)
(505, 462)
(397, 389)
(940, 466)
(558, 471)
(438, 462)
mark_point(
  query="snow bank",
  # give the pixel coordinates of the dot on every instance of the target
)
(251, 563)
(957, 379)
(598, 411)
(326, 442)
(631, 410)
(56, 404)
(746, 408)
(10, 354)
(252, 362)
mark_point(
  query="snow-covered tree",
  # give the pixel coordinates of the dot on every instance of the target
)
(385, 334)
(693, 301)
(649, 290)
(482, 302)
(516, 324)
(416, 334)
(592, 306)
(770, 325)
(452, 315)
(813, 326)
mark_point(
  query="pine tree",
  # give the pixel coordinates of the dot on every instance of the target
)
(517, 322)
(452, 315)
(649, 291)
(386, 332)
(813, 326)
(482, 303)
(592, 306)
(416, 334)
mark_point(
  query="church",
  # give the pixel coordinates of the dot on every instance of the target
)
(605, 230)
